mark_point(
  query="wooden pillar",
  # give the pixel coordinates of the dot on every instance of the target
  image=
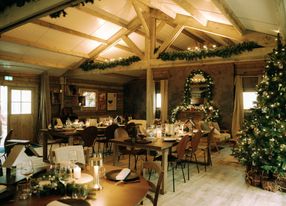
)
(150, 43)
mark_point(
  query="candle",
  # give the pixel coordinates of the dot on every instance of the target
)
(77, 172)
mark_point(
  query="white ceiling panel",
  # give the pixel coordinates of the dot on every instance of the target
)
(115, 53)
(29, 32)
(77, 20)
(106, 30)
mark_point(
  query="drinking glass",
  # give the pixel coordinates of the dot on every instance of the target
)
(27, 169)
(65, 177)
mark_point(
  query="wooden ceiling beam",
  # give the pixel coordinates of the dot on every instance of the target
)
(113, 40)
(141, 17)
(212, 27)
(102, 14)
(132, 46)
(229, 42)
(192, 11)
(170, 21)
(206, 37)
(120, 75)
(177, 31)
(29, 60)
(67, 30)
(228, 13)
(41, 46)
(160, 26)
(15, 16)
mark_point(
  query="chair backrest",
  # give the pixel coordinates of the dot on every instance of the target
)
(196, 140)
(154, 188)
(120, 133)
(131, 129)
(5, 138)
(141, 124)
(88, 135)
(182, 146)
(68, 153)
(210, 137)
(109, 131)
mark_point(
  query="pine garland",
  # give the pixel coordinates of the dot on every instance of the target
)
(64, 13)
(223, 52)
(8, 3)
(90, 64)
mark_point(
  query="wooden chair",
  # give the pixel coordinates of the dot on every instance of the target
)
(108, 135)
(206, 148)
(191, 151)
(152, 166)
(5, 146)
(180, 158)
(88, 136)
(121, 133)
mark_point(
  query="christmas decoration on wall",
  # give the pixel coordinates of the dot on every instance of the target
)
(223, 52)
(198, 77)
(211, 113)
(262, 145)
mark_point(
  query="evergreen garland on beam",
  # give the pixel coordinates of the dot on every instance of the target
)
(90, 64)
(223, 52)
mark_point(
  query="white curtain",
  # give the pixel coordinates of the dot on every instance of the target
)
(45, 110)
(238, 114)
(164, 100)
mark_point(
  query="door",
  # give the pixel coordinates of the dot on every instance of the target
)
(21, 115)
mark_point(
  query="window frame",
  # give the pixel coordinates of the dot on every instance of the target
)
(82, 90)
(21, 102)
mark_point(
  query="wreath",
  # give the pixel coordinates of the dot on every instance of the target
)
(205, 79)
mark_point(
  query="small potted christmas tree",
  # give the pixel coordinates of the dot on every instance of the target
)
(262, 146)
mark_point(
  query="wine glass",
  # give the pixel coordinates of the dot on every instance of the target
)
(27, 169)
(65, 176)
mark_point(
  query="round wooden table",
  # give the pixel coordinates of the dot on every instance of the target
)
(123, 194)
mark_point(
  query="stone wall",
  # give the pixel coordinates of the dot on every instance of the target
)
(222, 74)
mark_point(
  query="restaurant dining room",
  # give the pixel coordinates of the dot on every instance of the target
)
(142, 102)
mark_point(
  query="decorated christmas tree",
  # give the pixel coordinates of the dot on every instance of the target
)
(262, 145)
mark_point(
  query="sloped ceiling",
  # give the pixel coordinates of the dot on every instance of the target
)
(103, 31)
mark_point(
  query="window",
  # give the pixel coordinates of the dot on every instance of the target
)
(90, 98)
(158, 100)
(249, 99)
(21, 101)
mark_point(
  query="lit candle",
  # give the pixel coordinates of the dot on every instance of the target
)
(159, 133)
(77, 172)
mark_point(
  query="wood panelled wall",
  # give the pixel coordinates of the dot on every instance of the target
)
(82, 113)
(222, 74)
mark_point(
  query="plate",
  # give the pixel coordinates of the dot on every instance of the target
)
(111, 175)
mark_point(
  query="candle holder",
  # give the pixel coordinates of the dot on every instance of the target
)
(96, 163)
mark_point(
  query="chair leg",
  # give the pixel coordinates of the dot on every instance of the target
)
(205, 161)
(173, 173)
(197, 163)
(183, 172)
(188, 170)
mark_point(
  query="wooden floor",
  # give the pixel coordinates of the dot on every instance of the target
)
(222, 185)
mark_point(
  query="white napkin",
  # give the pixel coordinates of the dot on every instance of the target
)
(57, 203)
(2, 188)
(123, 174)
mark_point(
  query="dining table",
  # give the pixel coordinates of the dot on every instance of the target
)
(158, 144)
(113, 193)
